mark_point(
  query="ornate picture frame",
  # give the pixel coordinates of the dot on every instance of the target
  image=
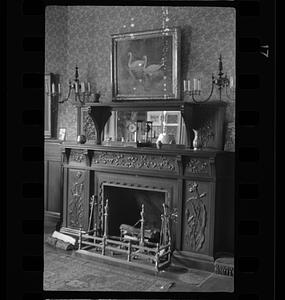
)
(145, 65)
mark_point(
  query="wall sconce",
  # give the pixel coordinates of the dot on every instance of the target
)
(221, 82)
(80, 92)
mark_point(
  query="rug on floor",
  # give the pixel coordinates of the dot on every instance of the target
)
(195, 277)
(66, 272)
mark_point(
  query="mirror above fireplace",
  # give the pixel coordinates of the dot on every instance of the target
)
(127, 127)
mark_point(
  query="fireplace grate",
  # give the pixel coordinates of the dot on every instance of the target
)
(133, 250)
(151, 256)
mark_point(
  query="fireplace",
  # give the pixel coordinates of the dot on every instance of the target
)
(125, 204)
(136, 180)
(126, 194)
(130, 219)
(131, 226)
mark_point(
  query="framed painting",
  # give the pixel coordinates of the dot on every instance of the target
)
(155, 117)
(62, 134)
(172, 118)
(145, 65)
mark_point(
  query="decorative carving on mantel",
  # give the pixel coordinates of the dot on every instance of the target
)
(198, 166)
(77, 156)
(206, 134)
(75, 204)
(196, 216)
(88, 126)
(137, 161)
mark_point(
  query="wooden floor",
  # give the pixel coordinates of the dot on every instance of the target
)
(214, 283)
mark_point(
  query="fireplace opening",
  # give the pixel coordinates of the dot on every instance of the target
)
(133, 227)
(125, 205)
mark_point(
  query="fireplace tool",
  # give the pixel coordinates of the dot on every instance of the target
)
(165, 229)
(91, 212)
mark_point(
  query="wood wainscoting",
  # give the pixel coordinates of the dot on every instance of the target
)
(53, 181)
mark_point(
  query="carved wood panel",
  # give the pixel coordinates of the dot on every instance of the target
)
(77, 200)
(136, 161)
(206, 134)
(198, 166)
(87, 125)
(197, 217)
(78, 156)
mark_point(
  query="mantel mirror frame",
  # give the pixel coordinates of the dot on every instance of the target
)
(148, 80)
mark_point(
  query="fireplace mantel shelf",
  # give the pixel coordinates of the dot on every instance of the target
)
(152, 105)
(146, 150)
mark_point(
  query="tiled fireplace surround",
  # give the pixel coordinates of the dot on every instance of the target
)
(198, 185)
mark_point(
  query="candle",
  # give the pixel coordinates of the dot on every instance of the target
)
(52, 88)
(88, 86)
(220, 63)
(59, 88)
(76, 87)
(195, 84)
(199, 84)
(231, 82)
(185, 85)
(189, 85)
(82, 87)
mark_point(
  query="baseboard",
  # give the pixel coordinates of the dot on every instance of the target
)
(204, 262)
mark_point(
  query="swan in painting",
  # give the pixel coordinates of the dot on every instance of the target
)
(153, 69)
(136, 68)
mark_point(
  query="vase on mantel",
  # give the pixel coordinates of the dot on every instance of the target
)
(196, 139)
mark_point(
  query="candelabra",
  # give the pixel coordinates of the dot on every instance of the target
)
(80, 92)
(221, 82)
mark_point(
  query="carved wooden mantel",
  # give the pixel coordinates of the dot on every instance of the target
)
(199, 185)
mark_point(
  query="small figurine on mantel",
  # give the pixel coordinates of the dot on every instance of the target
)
(158, 144)
(95, 97)
(195, 140)
(81, 139)
(164, 138)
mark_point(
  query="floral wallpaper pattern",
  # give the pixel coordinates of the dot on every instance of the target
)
(81, 35)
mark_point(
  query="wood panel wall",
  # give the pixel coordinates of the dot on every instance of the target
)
(53, 180)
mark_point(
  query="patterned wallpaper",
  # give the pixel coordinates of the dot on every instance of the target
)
(81, 35)
(56, 46)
